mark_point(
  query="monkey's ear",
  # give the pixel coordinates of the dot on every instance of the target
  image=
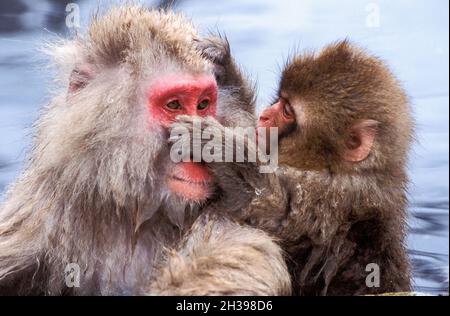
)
(360, 140)
(80, 77)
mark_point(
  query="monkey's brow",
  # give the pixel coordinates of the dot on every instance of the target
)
(187, 89)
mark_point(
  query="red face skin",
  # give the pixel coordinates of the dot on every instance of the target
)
(280, 115)
(174, 95)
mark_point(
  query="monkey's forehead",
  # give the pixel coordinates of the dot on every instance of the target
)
(128, 33)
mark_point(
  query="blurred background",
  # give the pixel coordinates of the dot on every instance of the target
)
(411, 35)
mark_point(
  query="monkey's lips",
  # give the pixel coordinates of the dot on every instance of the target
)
(191, 181)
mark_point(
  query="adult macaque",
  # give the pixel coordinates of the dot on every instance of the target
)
(338, 200)
(101, 198)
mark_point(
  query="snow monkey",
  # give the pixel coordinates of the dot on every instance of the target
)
(338, 199)
(100, 198)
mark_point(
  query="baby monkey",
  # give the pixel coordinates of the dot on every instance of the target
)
(337, 202)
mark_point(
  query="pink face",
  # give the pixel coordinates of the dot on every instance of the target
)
(280, 115)
(173, 95)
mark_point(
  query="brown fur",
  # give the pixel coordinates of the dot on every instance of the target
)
(352, 214)
(94, 190)
(338, 87)
(334, 217)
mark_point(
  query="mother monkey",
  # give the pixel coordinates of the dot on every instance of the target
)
(100, 194)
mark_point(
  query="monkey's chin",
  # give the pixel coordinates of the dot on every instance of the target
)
(190, 190)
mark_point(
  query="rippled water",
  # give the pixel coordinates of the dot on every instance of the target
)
(412, 36)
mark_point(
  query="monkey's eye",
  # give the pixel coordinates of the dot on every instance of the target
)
(174, 105)
(288, 111)
(203, 105)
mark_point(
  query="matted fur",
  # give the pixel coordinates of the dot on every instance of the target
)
(221, 268)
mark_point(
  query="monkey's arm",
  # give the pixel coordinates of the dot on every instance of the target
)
(220, 257)
(247, 194)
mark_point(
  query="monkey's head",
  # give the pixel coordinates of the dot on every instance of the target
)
(124, 83)
(340, 110)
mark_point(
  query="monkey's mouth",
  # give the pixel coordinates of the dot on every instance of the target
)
(191, 181)
(192, 190)
(195, 182)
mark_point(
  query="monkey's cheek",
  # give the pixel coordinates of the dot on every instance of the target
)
(196, 192)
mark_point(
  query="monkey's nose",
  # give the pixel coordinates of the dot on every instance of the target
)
(265, 121)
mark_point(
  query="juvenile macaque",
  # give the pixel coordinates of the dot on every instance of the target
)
(100, 198)
(338, 199)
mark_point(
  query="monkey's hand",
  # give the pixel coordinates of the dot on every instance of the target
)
(217, 50)
(245, 193)
(210, 141)
(220, 257)
(206, 139)
(228, 75)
